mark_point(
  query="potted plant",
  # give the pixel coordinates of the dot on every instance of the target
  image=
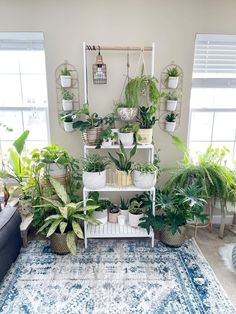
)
(126, 134)
(107, 138)
(65, 77)
(126, 111)
(146, 119)
(63, 227)
(170, 121)
(172, 77)
(124, 206)
(136, 212)
(68, 120)
(123, 165)
(67, 100)
(94, 171)
(171, 101)
(145, 175)
(102, 206)
(90, 126)
(113, 213)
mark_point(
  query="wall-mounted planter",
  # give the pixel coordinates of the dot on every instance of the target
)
(127, 114)
(65, 80)
(68, 126)
(171, 105)
(172, 82)
(67, 105)
(170, 126)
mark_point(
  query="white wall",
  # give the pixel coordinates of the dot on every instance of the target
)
(172, 25)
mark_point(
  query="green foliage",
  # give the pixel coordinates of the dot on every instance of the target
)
(172, 96)
(106, 135)
(173, 72)
(129, 128)
(7, 128)
(124, 205)
(51, 154)
(101, 204)
(66, 216)
(109, 119)
(123, 163)
(65, 71)
(146, 116)
(90, 121)
(114, 208)
(171, 117)
(135, 207)
(95, 163)
(145, 167)
(68, 116)
(67, 95)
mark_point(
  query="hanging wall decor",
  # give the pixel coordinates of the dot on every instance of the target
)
(99, 70)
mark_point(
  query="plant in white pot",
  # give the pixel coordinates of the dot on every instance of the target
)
(102, 205)
(171, 101)
(126, 111)
(123, 165)
(172, 77)
(136, 212)
(67, 100)
(65, 77)
(124, 206)
(126, 134)
(68, 120)
(63, 226)
(171, 122)
(113, 213)
(94, 171)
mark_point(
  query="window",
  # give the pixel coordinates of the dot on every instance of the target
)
(23, 97)
(213, 95)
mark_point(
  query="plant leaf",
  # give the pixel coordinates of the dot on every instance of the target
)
(62, 226)
(60, 190)
(77, 229)
(20, 142)
(53, 227)
(70, 241)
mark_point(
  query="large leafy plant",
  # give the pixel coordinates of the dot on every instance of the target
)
(90, 121)
(101, 204)
(66, 217)
(123, 162)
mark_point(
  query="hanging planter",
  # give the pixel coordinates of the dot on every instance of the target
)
(68, 126)
(171, 122)
(171, 105)
(126, 113)
(170, 126)
(172, 77)
(91, 136)
(65, 77)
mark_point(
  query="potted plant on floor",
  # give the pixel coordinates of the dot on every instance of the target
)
(68, 120)
(67, 100)
(145, 174)
(172, 77)
(94, 171)
(171, 101)
(102, 206)
(136, 212)
(126, 134)
(170, 121)
(90, 126)
(65, 77)
(113, 213)
(63, 227)
(123, 165)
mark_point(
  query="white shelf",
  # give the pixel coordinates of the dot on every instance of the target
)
(114, 230)
(114, 188)
(148, 146)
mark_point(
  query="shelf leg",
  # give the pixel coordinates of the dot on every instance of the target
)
(153, 195)
(85, 223)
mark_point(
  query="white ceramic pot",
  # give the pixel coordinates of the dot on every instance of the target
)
(67, 105)
(68, 126)
(127, 114)
(94, 180)
(172, 82)
(144, 180)
(170, 126)
(101, 216)
(171, 105)
(113, 217)
(107, 143)
(127, 139)
(144, 136)
(56, 170)
(125, 213)
(134, 220)
(65, 80)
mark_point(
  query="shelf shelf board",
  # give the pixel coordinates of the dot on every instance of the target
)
(148, 146)
(114, 230)
(114, 188)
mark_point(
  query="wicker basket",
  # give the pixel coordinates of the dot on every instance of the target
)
(174, 240)
(92, 136)
(58, 243)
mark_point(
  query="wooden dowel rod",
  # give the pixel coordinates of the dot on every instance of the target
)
(118, 48)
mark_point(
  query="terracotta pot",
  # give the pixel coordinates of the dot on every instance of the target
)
(127, 114)
(134, 220)
(174, 240)
(144, 136)
(58, 243)
(144, 180)
(91, 136)
(122, 178)
(94, 180)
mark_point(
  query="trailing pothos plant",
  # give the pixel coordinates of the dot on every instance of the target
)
(90, 121)
(123, 162)
(66, 216)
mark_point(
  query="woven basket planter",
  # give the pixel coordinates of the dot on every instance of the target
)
(91, 136)
(174, 240)
(58, 243)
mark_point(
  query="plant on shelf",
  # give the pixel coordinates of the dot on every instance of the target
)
(68, 120)
(94, 171)
(174, 209)
(107, 138)
(172, 77)
(124, 206)
(113, 213)
(67, 100)
(126, 134)
(145, 174)
(102, 206)
(63, 226)
(123, 165)
(90, 126)
(170, 121)
(65, 77)
(146, 119)
(125, 111)
(171, 101)
(109, 120)
(136, 212)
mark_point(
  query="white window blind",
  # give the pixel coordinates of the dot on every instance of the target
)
(21, 41)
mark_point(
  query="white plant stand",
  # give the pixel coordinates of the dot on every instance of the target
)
(112, 230)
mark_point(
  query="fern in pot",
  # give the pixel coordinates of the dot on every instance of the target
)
(94, 171)
(123, 165)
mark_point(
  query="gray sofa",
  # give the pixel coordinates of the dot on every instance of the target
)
(10, 238)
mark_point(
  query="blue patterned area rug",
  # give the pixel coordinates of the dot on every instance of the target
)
(113, 277)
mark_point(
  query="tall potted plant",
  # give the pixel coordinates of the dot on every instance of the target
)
(123, 165)
(63, 227)
(65, 77)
